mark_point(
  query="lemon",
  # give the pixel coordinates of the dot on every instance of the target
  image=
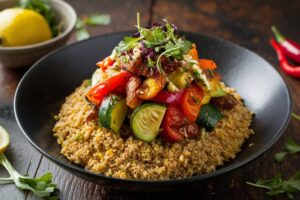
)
(4, 139)
(20, 27)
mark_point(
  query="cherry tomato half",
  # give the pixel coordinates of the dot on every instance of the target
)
(176, 127)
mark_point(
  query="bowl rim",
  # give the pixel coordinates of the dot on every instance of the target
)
(71, 25)
(221, 171)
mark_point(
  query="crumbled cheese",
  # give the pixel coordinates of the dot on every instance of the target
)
(196, 70)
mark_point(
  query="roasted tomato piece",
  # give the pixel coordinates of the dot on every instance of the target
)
(105, 63)
(132, 86)
(191, 102)
(151, 87)
(176, 127)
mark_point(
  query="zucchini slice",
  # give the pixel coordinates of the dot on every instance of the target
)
(209, 117)
(146, 119)
(112, 112)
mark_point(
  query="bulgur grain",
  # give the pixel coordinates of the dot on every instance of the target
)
(101, 151)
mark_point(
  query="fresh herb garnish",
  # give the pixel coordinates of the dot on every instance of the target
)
(150, 63)
(292, 146)
(296, 116)
(98, 19)
(81, 32)
(93, 20)
(127, 43)
(161, 38)
(279, 157)
(41, 186)
(277, 185)
(42, 7)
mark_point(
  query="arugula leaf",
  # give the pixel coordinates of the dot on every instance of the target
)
(292, 146)
(98, 19)
(279, 157)
(41, 186)
(277, 185)
(43, 8)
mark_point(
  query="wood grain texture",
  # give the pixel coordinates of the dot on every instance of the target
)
(21, 154)
(244, 22)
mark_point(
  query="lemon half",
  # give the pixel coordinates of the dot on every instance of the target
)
(20, 27)
(4, 139)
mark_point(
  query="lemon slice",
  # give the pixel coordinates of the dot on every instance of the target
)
(4, 139)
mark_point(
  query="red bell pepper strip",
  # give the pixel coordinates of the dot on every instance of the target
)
(286, 67)
(118, 82)
(288, 47)
(105, 63)
(173, 98)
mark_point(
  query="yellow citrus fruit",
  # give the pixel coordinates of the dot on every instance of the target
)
(4, 139)
(20, 27)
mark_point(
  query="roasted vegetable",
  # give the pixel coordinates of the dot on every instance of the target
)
(146, 119)
(176, 126)
(180, 79)
(112, 112)
(151, 87)
(118, 82)
(132, 99)
(227, 102)
(191, 102)
(209, 117)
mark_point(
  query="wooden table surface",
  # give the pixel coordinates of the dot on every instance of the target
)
(244, 22)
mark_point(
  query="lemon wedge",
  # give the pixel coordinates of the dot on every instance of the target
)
(20, 27)
(4, 139)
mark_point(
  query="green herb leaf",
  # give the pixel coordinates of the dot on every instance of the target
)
(292, 146)
(41, 186)
(98, 19)
(279, 157)
(277, 185)
(296, 116)
(43, 8)
(82, 34)
(127, 43)
(150, 63)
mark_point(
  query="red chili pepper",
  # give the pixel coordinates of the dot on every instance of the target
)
(286, 67)
(169, 97)
(118, 82)
(288, 47)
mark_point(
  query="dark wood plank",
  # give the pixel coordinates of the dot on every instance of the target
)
(23, 157)
(123, 15)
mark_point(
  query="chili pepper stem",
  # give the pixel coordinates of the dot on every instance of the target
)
(278, 36)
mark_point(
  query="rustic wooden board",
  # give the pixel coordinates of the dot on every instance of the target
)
(246, 23)
(21, 154)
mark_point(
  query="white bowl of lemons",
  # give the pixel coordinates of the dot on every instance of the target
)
(30, 31)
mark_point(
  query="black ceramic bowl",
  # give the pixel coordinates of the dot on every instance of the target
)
(43, 88)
